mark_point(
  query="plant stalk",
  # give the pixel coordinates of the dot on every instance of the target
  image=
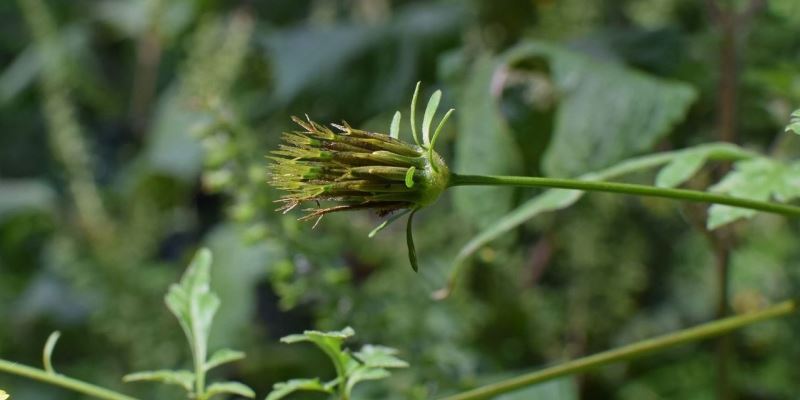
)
(631, 351)
(625, 188)
(61, 380)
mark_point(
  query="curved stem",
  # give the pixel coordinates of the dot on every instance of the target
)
(631, 351)
(625, 188)
(61, 380)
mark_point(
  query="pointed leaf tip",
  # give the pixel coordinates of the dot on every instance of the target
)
(394, 128)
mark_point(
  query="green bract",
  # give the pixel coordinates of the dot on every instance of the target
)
(353, 169)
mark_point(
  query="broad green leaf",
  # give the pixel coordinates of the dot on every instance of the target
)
(362, 374)
(607, 112)
(794, 123)
(181, 378)
(379, 357)
(236, 388)
(484, 146)
(757, 179)
(283, 389)
(430, 112)
(223, 356)
(193, 303)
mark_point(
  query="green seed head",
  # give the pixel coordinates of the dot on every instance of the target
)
(355, 169)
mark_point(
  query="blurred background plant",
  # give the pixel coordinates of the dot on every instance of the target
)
(135, 131)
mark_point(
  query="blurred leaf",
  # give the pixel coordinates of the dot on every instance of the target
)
(682, 167)
(556, 199)
(334, 337)
(559, 389)
(283, 389)
(193, 303)
(363, 373)
(756, 179)
(379, 357)
(236, 388)
(591, 133)
(236, 284)
(484, 146)
(223, 356)
(171, 149)
(794, 123)
(25, 195)
(182, 378)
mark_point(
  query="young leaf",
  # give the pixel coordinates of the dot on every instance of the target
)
(47, 353)
(794, 123)
(182, 378)
(364, 373)
(379, 357)
(681, 168)
(193, 303)
(756, 179)
(394, 129)
(283, 389)
(427, 119)
(223, 356)
(310, 336)
(236, 388)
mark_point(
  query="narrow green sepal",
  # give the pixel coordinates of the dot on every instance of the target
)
(414, 114)
(427, 118)
(412, 251)
(388, 222)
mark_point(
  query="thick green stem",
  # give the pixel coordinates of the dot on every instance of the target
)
(631, 351)
(61, 380)
(624, 188)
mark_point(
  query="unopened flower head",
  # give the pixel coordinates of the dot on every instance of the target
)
(358, 169)
(355, 168)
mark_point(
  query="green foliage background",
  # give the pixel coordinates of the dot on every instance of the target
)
(133, 131)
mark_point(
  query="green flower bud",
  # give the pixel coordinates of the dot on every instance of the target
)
(355, 169)
(358, 170)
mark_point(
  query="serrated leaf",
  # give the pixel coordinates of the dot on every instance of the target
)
(591, 134)
(329, 342)
(193, 303)
(757, 179)
(794, 123)
(223, 356)
(181, 378)
(236, 388)
(362, 374)
(311, 335)
(283, 389)
(379, 357)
